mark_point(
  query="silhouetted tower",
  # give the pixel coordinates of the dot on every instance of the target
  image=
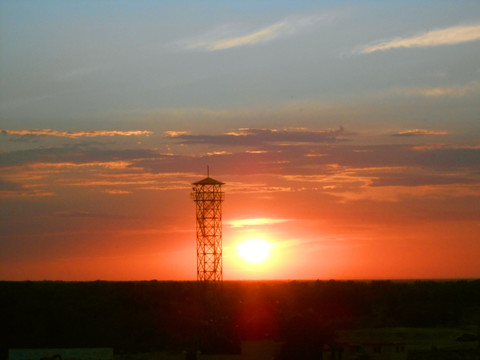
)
(208, 197)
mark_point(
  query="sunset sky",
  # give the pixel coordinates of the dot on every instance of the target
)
(347, 134)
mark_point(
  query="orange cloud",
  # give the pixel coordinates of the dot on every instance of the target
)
(26, 193)
(75, 134)
(240, 223)
(117, 192)
(315, 155)
(443, 91)
(235, 187)
(251, 136)
(172, 133)
(68, 165)
(256, 151)
(429, 147)
(214, 153)
(415, 132)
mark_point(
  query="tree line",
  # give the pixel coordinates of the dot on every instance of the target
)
(159, 315)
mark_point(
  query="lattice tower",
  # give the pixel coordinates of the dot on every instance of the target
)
(208, 197)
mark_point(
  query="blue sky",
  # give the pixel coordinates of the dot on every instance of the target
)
(69, 62)
(109, 109)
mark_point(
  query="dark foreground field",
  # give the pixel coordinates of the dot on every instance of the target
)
(153, 315)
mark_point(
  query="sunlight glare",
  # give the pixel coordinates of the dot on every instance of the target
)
(254, 250)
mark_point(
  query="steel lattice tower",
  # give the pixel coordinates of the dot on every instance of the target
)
(208, 197)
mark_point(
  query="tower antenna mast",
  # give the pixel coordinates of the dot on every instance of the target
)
(208, 197)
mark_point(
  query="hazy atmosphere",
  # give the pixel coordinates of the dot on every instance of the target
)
(347, 134)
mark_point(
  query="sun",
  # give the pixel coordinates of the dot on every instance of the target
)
(254, 250)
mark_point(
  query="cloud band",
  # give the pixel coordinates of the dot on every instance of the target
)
(75, 134)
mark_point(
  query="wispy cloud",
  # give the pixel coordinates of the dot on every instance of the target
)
(225, 38)
(443, 91)
(261, 36)
(248, 136)
(217, 153)
(240, 223)
(74, 134)
(75, 213)
(417, 132)
(448, 36)
(77, 73)
(429, 147)
(117, 192)
(9, 189)
(76, 155)
(119, 164)
(26, 193)
(255, 188)
(176, 133)
(256, 151)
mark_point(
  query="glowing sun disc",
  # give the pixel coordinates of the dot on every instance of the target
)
(254, 251)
